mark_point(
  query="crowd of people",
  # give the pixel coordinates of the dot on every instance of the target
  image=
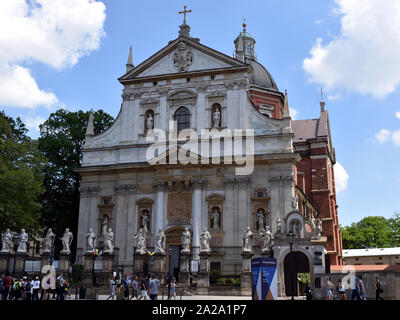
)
(357, 291)
(146, 287)
(25, 288)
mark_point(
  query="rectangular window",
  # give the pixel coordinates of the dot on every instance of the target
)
(215, 266)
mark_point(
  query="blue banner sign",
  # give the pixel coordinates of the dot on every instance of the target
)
(264, 279)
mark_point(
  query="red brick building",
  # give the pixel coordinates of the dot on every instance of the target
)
(316, 177)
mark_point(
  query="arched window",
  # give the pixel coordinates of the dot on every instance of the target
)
(182, 117)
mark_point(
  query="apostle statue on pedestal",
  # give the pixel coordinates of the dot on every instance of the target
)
(91, 240)
(267, 237)
(247, 237)
(66, 241)
(141, 238)
(160, 241)
(205, 238)
(6, 240)
(23, 241)
(186, 240)
(48, 241)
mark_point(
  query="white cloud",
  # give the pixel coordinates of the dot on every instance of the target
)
(341, 178)
(293, 113)
(33, 123)
(365, 56)
(56, 33)
(382, 136)
(333, 97)
(397, 114)
(396, 138)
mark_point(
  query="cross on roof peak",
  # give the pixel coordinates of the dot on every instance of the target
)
(184, 13)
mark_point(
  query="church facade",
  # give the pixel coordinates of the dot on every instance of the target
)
(128, 185)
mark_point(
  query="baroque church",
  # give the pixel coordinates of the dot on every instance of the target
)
(291, 187)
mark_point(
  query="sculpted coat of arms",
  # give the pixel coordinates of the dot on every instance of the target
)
(183, 57)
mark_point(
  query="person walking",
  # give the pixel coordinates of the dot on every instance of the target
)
(3, 287)
(329, 289)
(144, 286)
(112, 289)
(60, 287)
(363, 294)
(356, 289)
(125, 284)
(378, 289)
(153, 287)
(28, 290)
(341, 290)
(135, 288)
(118, 283)
(35, 288)
(168, 283)
(308, 292)
(172, 289)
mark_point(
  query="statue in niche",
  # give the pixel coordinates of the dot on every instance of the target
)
(141, 238)
(23, 241)
(205, 238)
(6, 240)
(186, 240)
(267, 237)
(149, 121)
(313, 222)
(48, 241)
(216, 117)
(145, 220)
(104, 227)
(108, 242)
(260, 215)
(295, 203)
(91, 240)
(278, 225)
(66, 241)
(247, 240)
(319, 228)
(160, 241)
(295, 228)
(215, 218)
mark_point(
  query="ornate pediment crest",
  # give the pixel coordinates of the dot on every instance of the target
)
(183, 57)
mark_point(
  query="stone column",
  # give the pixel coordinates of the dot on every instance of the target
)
(184, 274)
(159, 264)
(196, 217)
(64, 263)
(4, 261)
(158, 217)
(245, 277)
(203, 277)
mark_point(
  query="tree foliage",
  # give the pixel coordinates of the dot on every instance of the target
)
(61, 140)
(20, 176)
(372, 232)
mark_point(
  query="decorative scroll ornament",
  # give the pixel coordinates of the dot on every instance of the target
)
(183, 57)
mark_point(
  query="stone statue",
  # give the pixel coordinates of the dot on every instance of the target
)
(160, 241)
(66, 241)
(141, 241)
(319, 228)
(91, 240)
(313, 220)
(295, 203)
(149, 122)
(23, 241)
(104, 227)
(260, 219)
(278, 225)
(216, 118)
(205, 238)
(183, 57)
(247, 237)
(267, 237)
(145, 221)
(295, 228)
(108, 242)
(48, 241)
(186, 240)
(6, 239)
(215, 217)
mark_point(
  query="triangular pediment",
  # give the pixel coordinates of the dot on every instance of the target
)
(182, 56)
(176, 154)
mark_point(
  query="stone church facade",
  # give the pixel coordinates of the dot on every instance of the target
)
(199, 88)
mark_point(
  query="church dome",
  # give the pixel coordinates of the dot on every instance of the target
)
(260, 76)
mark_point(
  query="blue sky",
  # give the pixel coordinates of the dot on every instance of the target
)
(353, 62)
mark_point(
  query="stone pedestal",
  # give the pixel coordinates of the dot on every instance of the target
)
(45, 259)
(245, 277)
(203, 276)
(184, 272)
(4, 261)
(20, 264)
(88, 262)
(108, 260)
(140, 260)
(159, 265)
(64, 263)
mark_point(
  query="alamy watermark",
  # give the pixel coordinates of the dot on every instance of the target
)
(215, 146)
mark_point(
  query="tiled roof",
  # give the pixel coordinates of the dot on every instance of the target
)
(350, 253)
(310, 128)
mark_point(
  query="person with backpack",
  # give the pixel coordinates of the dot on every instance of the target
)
(144, 286)
(35, 288)
(153, 287)
(60, 287)
(125, 284)
(17, 289)
(378, 289)
(27, 289)
(329, 289)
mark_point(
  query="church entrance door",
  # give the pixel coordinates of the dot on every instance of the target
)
(173, 246)
(300, 265)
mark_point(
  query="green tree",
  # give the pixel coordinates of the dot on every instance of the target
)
(61, 140)
(20, 176)
(370, 232)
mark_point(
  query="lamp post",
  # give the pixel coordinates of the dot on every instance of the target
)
(291, 236)
(17, 240)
